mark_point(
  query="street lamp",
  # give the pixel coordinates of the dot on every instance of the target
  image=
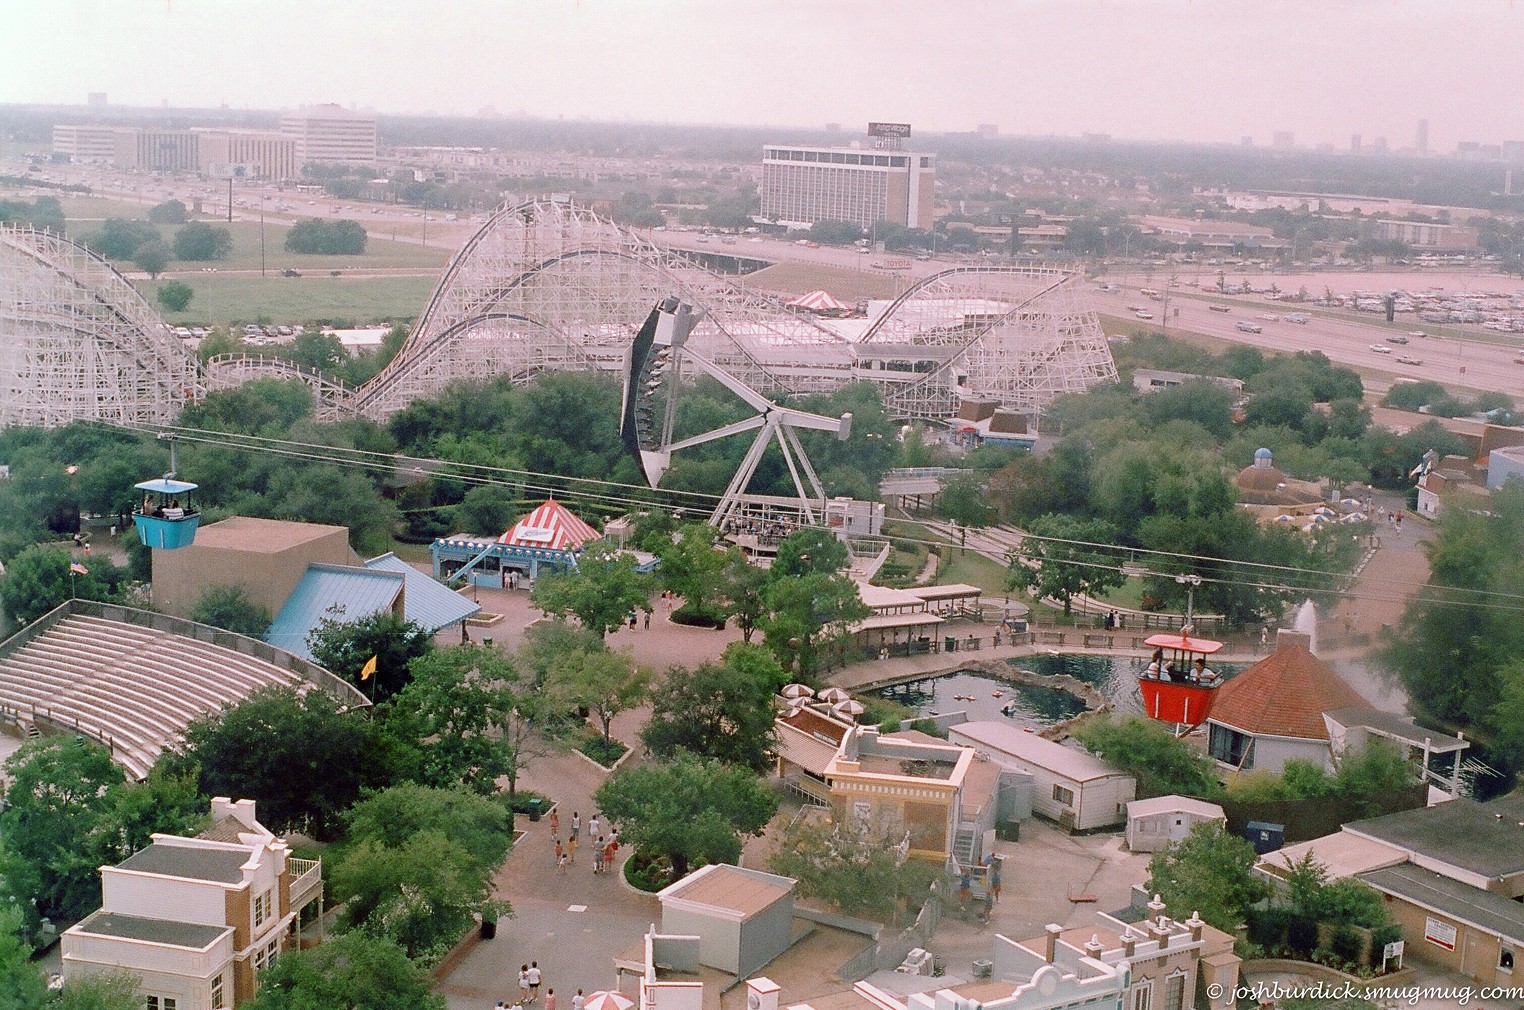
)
(1192, 581)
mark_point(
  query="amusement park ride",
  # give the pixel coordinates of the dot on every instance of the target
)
(1177, 687)
(652, 382)
(166, 518)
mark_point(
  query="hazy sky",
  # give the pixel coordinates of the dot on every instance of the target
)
(1209, 70)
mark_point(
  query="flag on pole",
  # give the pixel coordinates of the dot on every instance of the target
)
(369, 669)
(79, 569)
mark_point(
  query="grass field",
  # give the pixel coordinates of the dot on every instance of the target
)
(847, 284)
(223, 299)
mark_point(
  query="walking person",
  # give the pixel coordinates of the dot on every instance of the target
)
(648, 621)
(592, 826)
(597, 859)
(578, 1000)
(534, 981)
(995, 880)
(571, 847)
(559, 851)
(523, 984)
(555, 822)
(550, 999)
(561, 865)
(576, 827)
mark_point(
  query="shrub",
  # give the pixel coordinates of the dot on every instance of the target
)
(605, 752)
(200, 241)
(648, 873)
(174, 296)
(1346, 943)
(1301, 934)
(341, 238)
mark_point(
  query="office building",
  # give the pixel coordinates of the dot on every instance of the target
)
(157, 150)
(1355, 143)
(83, 142)
(862, 185)
(247, 154)
(1421, 141)
(1283, 140)
(331, 134)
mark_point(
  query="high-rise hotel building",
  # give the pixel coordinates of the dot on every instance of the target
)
(802, 185)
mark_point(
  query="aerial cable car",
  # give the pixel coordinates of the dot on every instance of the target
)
(166, 518)
(1177, 686)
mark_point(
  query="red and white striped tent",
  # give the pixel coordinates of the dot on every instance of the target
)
(819, 301)
(552, 527)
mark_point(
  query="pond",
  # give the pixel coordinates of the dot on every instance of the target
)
(985, 698)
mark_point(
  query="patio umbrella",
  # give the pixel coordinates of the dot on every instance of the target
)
(794, 691)
(849, 708)
(608, 1001)
(832, 695)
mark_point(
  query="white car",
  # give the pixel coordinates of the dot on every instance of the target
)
(1270, 317)
(1409, 359)
(1381, 349)
(1144, 314)
(1247, 327)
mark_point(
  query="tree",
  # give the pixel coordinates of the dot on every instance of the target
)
(60, 788)
(713, 711)
(168, 212)
(21, 985)
(743, 586)
(603, 682)
(296, 753)
(691, 567)
(420, 894)
(344, 647)
(120, 238)
(809, 617)
(1209, 872)
(964, 498)
(333, 238)
(486, 509)
(449, 718)
(600, 591)
(1160, 762)
(835, 232)
(200, 241)
(856, 866)
(353, 970)
(116, 990)
(807, 552)
(152, 257)
(479, 824)
(689, 809)
(39, 579)
(228, 607)
(167, 802)
(1053, 561)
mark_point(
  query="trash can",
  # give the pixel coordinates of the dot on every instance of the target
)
(488, 929)
(984, 969)
(534, 810)
(950, 644)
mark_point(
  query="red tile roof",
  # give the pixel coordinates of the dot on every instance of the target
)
(1284, 694)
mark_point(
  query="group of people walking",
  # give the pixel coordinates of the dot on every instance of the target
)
(605, 846)
(530, 978)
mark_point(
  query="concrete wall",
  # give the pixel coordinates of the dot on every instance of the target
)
(183, 975)
(1272, 753)
(1475, 954)
(181, 576)
(719, 938)
(766, 935)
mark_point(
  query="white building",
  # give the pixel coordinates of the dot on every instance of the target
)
(802, 185)
(1075, 788)
(1154, 823)
(196, 919)
(332, 134)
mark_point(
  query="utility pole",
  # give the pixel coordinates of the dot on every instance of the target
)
(261, 240)
(230, 199)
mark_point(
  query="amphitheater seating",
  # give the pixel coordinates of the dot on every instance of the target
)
(134, 688)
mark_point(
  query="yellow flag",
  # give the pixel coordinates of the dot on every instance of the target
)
(368, 669)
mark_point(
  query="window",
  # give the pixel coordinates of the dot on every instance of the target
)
(1505, 959)
(263, 904)
(1229, 746)
(154, 1002)
(265, 956)
(217, 1001)
(1174, 992)
(1143, 996)
(1064, 796)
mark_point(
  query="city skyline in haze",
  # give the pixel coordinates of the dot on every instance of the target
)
(1135, 69)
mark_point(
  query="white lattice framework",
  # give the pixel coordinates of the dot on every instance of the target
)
(78, 342)
(332, 399)
(550, 285)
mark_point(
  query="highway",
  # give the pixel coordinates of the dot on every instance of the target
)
(1459, 363)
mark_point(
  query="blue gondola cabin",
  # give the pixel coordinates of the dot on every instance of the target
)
(166, 518)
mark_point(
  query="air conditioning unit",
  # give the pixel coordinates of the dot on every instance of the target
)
(761, 994)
